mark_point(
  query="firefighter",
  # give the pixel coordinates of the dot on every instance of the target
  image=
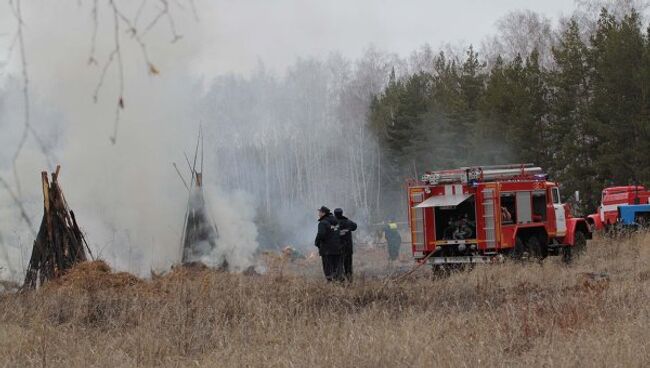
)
(464, 229)
(346, 227)
(393, 239)
(329, 245)
(449, 231)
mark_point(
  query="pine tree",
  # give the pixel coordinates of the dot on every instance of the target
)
(490, 130)
(396, 116)
(616, 55)
(586, 119)
(536, 120)
(571, 149)
(642, 119)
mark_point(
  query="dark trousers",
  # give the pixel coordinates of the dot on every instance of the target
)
(393, 250)
(347, 266)
(333, 267)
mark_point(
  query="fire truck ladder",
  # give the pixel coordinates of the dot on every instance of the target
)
(481, 173)
(489, 203)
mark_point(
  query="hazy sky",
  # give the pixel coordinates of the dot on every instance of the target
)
(232, 35)
(238, 32)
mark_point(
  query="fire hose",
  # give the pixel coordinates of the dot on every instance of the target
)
(415, 268)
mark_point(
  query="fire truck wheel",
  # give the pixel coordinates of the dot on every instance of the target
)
(534, 247)
(519, 249)
(580, 242)
(439, 271)
(530, 249)
(610, 230)
(442, 271)
(567, 255)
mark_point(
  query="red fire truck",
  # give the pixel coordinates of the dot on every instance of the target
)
(633, 197)
(480, 214)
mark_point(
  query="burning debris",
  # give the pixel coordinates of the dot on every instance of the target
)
(59, 244)
(199, 229)
(230, 246)
(199, 233)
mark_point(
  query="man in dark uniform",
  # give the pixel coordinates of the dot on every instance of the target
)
(346, 227)
(329, 245)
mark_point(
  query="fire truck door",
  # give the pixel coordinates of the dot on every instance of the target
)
(560, 218)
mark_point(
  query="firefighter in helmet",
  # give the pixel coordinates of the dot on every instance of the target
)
(393, 239)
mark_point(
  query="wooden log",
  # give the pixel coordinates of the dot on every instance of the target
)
(55, 174)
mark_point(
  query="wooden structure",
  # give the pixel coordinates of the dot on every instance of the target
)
(59, 244)
(199, 232)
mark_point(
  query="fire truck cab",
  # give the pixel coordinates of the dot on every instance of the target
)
(480, 214)
(625, 205)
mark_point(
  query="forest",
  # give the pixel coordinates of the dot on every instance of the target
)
(571, 98)
(583, 114)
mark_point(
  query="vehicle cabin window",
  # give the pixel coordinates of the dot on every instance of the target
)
(417, 197)
(556, 195)
(539, 206)
(508, 208)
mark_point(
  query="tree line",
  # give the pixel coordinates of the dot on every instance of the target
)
(584, 117)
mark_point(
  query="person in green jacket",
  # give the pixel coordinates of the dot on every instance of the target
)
(393, 239)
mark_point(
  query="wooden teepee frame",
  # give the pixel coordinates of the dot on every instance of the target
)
(199, 230)
(59, 244)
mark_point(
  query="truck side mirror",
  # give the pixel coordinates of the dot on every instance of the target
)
(577, 196)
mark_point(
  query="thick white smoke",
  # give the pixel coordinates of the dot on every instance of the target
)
(234, 214)
(126, 196)
(276, 147)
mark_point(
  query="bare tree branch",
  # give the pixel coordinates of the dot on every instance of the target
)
(93, 42)
(120, 65)
(139, 12)
(121, 21)
(19, 203)
(19, 41)
(23, 61)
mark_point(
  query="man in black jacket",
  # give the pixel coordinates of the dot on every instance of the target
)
(329, 245)
(346, 227)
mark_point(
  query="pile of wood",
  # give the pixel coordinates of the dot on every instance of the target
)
(199, 233)
(59, 244)
(199, 229)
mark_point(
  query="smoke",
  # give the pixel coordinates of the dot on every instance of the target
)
(234, 214)
(270, 161)
(126, 196)
(298, 141)
(277, 145)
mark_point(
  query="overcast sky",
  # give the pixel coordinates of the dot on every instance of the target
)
(232, 35)
(237, 33)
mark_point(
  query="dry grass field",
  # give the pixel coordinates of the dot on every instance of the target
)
(499, 315)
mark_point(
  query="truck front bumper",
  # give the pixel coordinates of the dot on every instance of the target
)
(465, 260)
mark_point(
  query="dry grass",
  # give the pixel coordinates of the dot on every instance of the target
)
(502, 315)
